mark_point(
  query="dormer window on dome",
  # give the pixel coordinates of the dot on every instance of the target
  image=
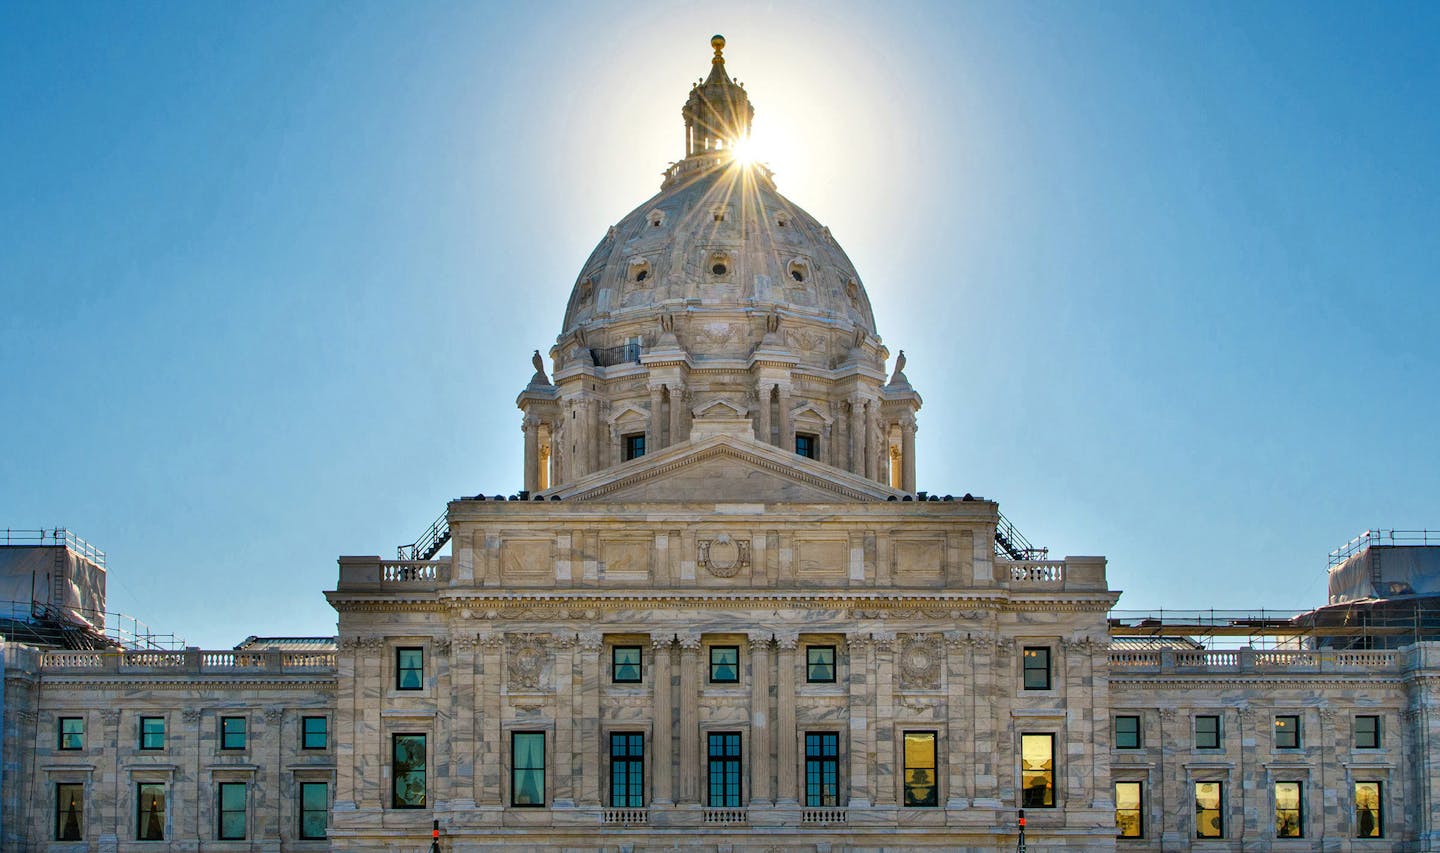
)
(639, 270)
(799, 270)
(719, 264)
(657, 218)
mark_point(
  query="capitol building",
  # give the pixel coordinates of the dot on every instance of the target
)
(718, 615)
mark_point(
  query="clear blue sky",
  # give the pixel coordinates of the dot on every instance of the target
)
(270, 273)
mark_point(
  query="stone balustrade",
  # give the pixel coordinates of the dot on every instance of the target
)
(1035, 572)
(404, 572)
(188, 661)
(1254, 660)
(625, 817)
(728, 817)
(823, 816)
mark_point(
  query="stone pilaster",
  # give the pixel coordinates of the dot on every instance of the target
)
(961, 732)
(566, 721)
(763, 785)
(861, 749)
(882, 699)
(689, 718)
(787, 786)
(488, 702)
(463, 709)
(591, 650)
(662, 765)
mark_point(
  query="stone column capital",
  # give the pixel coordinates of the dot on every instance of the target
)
(759, 639)
(689, 641)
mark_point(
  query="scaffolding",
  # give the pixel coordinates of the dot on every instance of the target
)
(1369, 624)
(1381, 536)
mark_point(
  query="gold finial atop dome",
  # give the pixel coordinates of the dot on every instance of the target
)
(718, 42)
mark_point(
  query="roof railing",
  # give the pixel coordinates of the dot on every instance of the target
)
(1380, 536)
(55, 536)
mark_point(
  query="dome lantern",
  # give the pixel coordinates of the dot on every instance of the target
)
(718, 113)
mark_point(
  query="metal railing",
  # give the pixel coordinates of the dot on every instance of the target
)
(119, 628)
(1383, 537)
(1009, 543)
(611, 356)
(55, 536)
(1256, 660)
(429, 543)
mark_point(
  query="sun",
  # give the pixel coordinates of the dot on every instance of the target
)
(744, 151)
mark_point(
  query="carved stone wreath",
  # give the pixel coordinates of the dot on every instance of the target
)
(527, 662)
(920, 664)
(723, 556)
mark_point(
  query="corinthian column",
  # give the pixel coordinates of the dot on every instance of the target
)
(763, 785)
(662, 789)
(857, 435)
(907, 454)
(689, 717)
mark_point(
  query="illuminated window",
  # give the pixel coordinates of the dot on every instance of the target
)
(724, 664)
(625, 665)
(1037, 667)
(407, 770)
(627, 770)
(150, 811)
(1037, 771)
(72, 732)
(232, 811)
(1127, 732)
(1207, 732)
(527, 769)
(822, 769)
(1367, 732)
(1368, 822)
(820, 664)
(314, 809)
(1287, 731)
(1209, 815)
(69, 811)
(1129, 812)
(1289, 822)
(409, 668)
(921, 785)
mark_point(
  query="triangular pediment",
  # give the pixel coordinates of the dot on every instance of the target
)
(723, 469)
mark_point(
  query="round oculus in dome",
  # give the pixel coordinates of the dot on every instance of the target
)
(719, 268)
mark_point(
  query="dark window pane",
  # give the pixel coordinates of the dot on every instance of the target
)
(1037, 668)
(527, 769)
(723, 789)
(822, 771)
(152, 733)
(72, 732)
(1127, 732)
(627, 770)
(232, 811)
(1207, 732)
(625, 664)
(820, 664)
(1367, 732)
(409, 668)
(408, 771)
(232, 732)
(1287, 732)
(634, 445)
(724, 664)
(314, 809)
(315, 732)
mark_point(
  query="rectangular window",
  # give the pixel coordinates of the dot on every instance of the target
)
(634, 445)
(724, 766)
(1127, 732)
(232, 732)
(805, 445)
(69, 811)
(820, 664)
(724, 664)
(527, 768)
(627, 770)
(409, 668)
(1287, 731)
(72, 732)
(1037, 771)
(407, 769)
(150, 811)
(625, 665)
(921, 788)
(1129, 810)
(1207, 732)
(314, 732)
(1368, 822)
(152, 734)
(1209, 814)
(1367, 732)
(314, 809)
(822, 769)
(1289, 822)
(1037, 667)
(232, 811)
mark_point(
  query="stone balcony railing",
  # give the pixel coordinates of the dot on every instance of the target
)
(1255, 661)
(188, 662)
(724, 816)
(811, 816)
(625, 817)
(1042, 574)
